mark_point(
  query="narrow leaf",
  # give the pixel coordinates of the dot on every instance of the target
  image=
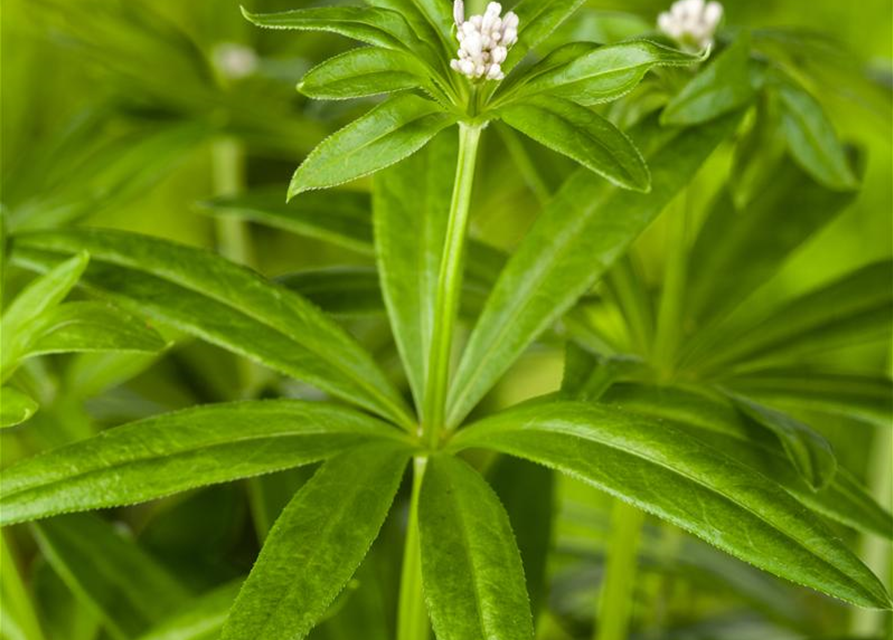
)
(537, 20)
(471, 568)
(173, 452)
(586, 227)
(661, 470)
(317, 544)
(16, 407)
(201, 619)
(384, 136)
(582, 135)
(341, 291)
(364, 72)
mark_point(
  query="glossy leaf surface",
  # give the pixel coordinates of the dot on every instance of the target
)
(363, 72)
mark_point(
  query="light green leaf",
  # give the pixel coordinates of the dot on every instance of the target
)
(723, 86)
(471, 568)
(713, 420)
(364, 72)
(432, 20)
(227, 304)
(201, 619)
(602, 75)
(173, 452)
(812, 139)
(537, 20)
(660, 469)
(807, 449)
(582, 135)
(109, 572)
(317, 544)
(584, 230)
(17, 407)
(386, 135)
(411, 203)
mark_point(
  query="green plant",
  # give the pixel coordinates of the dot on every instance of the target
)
(676, 412)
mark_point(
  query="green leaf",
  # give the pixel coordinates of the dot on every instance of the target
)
(660, 469)
(582, 135)
(587, 226)
(91, 326)
(341, 291)
(807, 449)
(109, 572)
(432, 20)
(812, 139)
(710, 418)
(602, 75)
(371, 25)
(723, 86)
(17, 407)
(386, 135)
(201, 619)
(364, 72)
(317, 544)
(471, 568)
(537, 20)
(173, 452)
(227, 304)
(410, 204)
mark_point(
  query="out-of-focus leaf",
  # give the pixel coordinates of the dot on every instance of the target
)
(723, 86)
(807, 449)
(758, 153)
(110, 572)
(173, 452)
(471, 568)
(585, 228)
(662, 470)
(317, 544)
(411, 207)
(341, 291)
(583, 135)
(18, 617)
(201, 619)
(364, 72)
(812, 139)
(386, 135)
(537, 19)
(17, 407)
(61, 613)
(227, 304)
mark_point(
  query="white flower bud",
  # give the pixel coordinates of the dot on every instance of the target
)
(691, 23)
(484, 41)
(459, 12)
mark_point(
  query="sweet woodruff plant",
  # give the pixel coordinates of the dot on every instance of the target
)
(687, 456)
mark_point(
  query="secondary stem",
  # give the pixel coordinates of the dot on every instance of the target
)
(449, 287)
(615, 604)
(412, 618)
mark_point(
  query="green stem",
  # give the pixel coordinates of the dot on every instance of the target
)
(18, 618)
(449, 287)
(615, 603)
(228, 167)
(412, 618)
(669, 318)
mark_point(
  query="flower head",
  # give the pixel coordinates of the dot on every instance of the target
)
(691, 23)
(484, 41)
(235, 61)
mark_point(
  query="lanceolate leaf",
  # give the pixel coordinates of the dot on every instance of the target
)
(17, 407)
(217, 300)
(200, 619)
(723, 86)
(127, 587)
(411, 206)
(602, 75)
(340, 291)
(585, 228)
(583, 135)
(384, 136)
(538, 19)
(364, 72)
(662, 470)
(317, 544)
(471, 568)
(173, 452)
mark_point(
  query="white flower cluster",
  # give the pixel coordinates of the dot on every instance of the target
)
(484, 41)
(691, 23)
(235, 61)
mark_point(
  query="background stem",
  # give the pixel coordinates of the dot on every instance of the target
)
(449, 287)
(615, 603)
(412, 617)
(669, 316)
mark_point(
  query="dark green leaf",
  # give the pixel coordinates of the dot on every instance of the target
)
(583, 135)
(364, 72)
(317, 544)
(386, 135)
(662, 470)
(201, 619)
(537, 19)
(587, 226)
(471, 568)
(173, 452)
(17, 407)
(340, 291)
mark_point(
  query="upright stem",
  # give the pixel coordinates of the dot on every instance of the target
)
(449, 287)
(228, 167)
(669, 318)
(615, 604)
(412, 618)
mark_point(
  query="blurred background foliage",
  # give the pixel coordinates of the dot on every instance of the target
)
(132, 113)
